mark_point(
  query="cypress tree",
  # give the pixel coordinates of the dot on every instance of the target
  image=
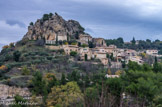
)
(63, 79)
(156, 66)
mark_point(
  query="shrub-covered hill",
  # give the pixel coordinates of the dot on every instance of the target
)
(64, 81)
(19, 62)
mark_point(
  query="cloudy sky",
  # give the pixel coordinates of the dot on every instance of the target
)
(101, 18)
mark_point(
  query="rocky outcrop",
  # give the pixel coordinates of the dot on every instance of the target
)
(54, 27)
(8, 91)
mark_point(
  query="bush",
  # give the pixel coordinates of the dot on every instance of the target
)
(73, 53)
(8, 57)
(84, 45)
(6, 50)
(5, 47)
(1, 63)
(60, 42)
(50, 15)
(18, 100)
(3, 68)
(49, 58)
(16, 55)
(45, 17)
(72, 42)
(43, 54)
(37, 61)
(31, 23)
(25, 70)
(14, 64)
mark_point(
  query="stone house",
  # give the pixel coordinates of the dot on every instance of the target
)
(99, 49)
(137, 59)
(111, 76)
(111, 49)
(85, 38)
(59, 38)
(152, 52)
(130, 52)
(85, 51)
(121, 54)
(112, 46)
(100, 55)
(115, 52)
(99, 42)
(70, 48)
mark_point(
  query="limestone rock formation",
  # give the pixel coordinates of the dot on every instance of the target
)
(52, 27)
(10, 91)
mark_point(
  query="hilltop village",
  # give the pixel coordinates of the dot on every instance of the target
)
(101, 51)
(70, 36)
(58, 64)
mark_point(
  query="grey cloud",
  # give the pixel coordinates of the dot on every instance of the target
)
(14, 22)
(99, 19)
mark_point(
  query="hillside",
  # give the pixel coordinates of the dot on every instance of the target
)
(58, 64)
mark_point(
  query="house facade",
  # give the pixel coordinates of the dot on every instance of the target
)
(70, 48)
(152, 52)
(99, 42)
(85, 51)
(85, 38)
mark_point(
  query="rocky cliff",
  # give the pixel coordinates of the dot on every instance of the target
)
(8, 91)
(52, 27)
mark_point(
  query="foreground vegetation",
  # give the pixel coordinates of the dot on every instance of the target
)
(62, 81)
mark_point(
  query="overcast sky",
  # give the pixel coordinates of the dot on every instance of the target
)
(101, 18)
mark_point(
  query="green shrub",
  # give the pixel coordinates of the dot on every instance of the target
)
(31, 23)
(1, 63)
(43, 54)
(16, 55)
(22, 42)
(25, 70)
(50, 15)
(84, 45)
(8, 57)
(49, 58)
(37, 61)
(73, 53)
(45, 17)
